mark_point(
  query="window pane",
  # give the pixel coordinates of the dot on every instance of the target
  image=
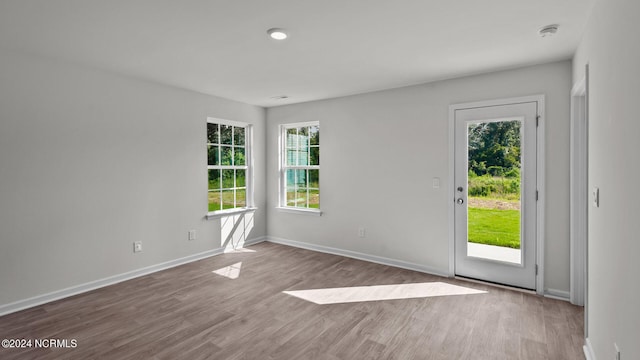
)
(226, 132)
(301, 198)
(212, 133)
(291, 157)
(303, 157)
(214, 200)
(314, 158)
(314, 179)
(301, 178)
(314, 135)
(227, 199)
(227, 179)
(214, 179)
(226, 155)
(303, 138)
(238, 156)
(290, 178)
(292, 138)
(240, 178)
(227, 188)
(241, 198)
(314, 198)
(238, 136)
(213, 156)
(291, 196)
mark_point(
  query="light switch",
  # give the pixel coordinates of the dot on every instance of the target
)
(436, 183)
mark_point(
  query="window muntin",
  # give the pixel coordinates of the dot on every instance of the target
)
(227, 165)
(300, 166)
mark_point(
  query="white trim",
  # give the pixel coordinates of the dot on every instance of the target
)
(540, 173)
(557, 294)
(589, 354)
(580, 87)
(540, 181)
(507, 287)
(360, 256)
(450, 190)
(300, 124)
(579, 192)
(227, 122)
(248, 154)
(222, 213)
(497, 102)
(301, 211)
(111, 280)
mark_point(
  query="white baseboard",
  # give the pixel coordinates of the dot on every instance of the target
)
(252, 241)
(557, 294)
(359, 256)
(96, 284)
(588, 350)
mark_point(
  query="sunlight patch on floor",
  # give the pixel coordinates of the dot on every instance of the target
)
(231, 271)
(381, 292)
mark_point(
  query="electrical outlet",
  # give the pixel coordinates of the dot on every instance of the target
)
(617, 351)
(137, 246)
(192, 235)
(361, 232)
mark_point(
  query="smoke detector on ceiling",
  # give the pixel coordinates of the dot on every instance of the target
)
(548, 30)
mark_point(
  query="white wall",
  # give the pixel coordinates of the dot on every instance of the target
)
(90, 162)
(611, 48)
(380, 151)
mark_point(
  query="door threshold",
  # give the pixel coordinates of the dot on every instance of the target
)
(498, 285)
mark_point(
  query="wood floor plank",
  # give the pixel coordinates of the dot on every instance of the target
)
(193, 312)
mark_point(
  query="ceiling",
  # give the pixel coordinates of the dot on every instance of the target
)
(335, 48)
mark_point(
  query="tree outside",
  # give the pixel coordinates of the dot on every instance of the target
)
(494, 163)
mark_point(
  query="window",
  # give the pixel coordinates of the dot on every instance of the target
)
(300, 166)
(228, 145)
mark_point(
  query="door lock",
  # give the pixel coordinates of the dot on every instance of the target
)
(460, 189)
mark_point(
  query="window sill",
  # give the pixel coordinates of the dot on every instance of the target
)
(301, 211)
(222, 213)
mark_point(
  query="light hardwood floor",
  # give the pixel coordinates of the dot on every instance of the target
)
(189, 312)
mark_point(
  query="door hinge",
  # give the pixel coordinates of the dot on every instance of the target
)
(536, 269)
(537, 120)
(536, 195)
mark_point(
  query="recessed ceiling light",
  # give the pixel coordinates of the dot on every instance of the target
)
(279, 97)
(277, 34)
(548, 30)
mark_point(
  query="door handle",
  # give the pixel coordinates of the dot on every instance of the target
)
(460, 201)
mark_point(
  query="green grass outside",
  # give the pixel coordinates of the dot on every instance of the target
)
(227, 199)
(299, 198)
(494, 227)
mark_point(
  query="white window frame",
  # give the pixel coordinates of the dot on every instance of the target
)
(282, 206)
(248, 167)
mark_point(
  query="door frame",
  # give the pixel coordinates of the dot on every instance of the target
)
(579, 205)
(540, 176)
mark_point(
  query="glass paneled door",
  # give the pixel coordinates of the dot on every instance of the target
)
(495, 193)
